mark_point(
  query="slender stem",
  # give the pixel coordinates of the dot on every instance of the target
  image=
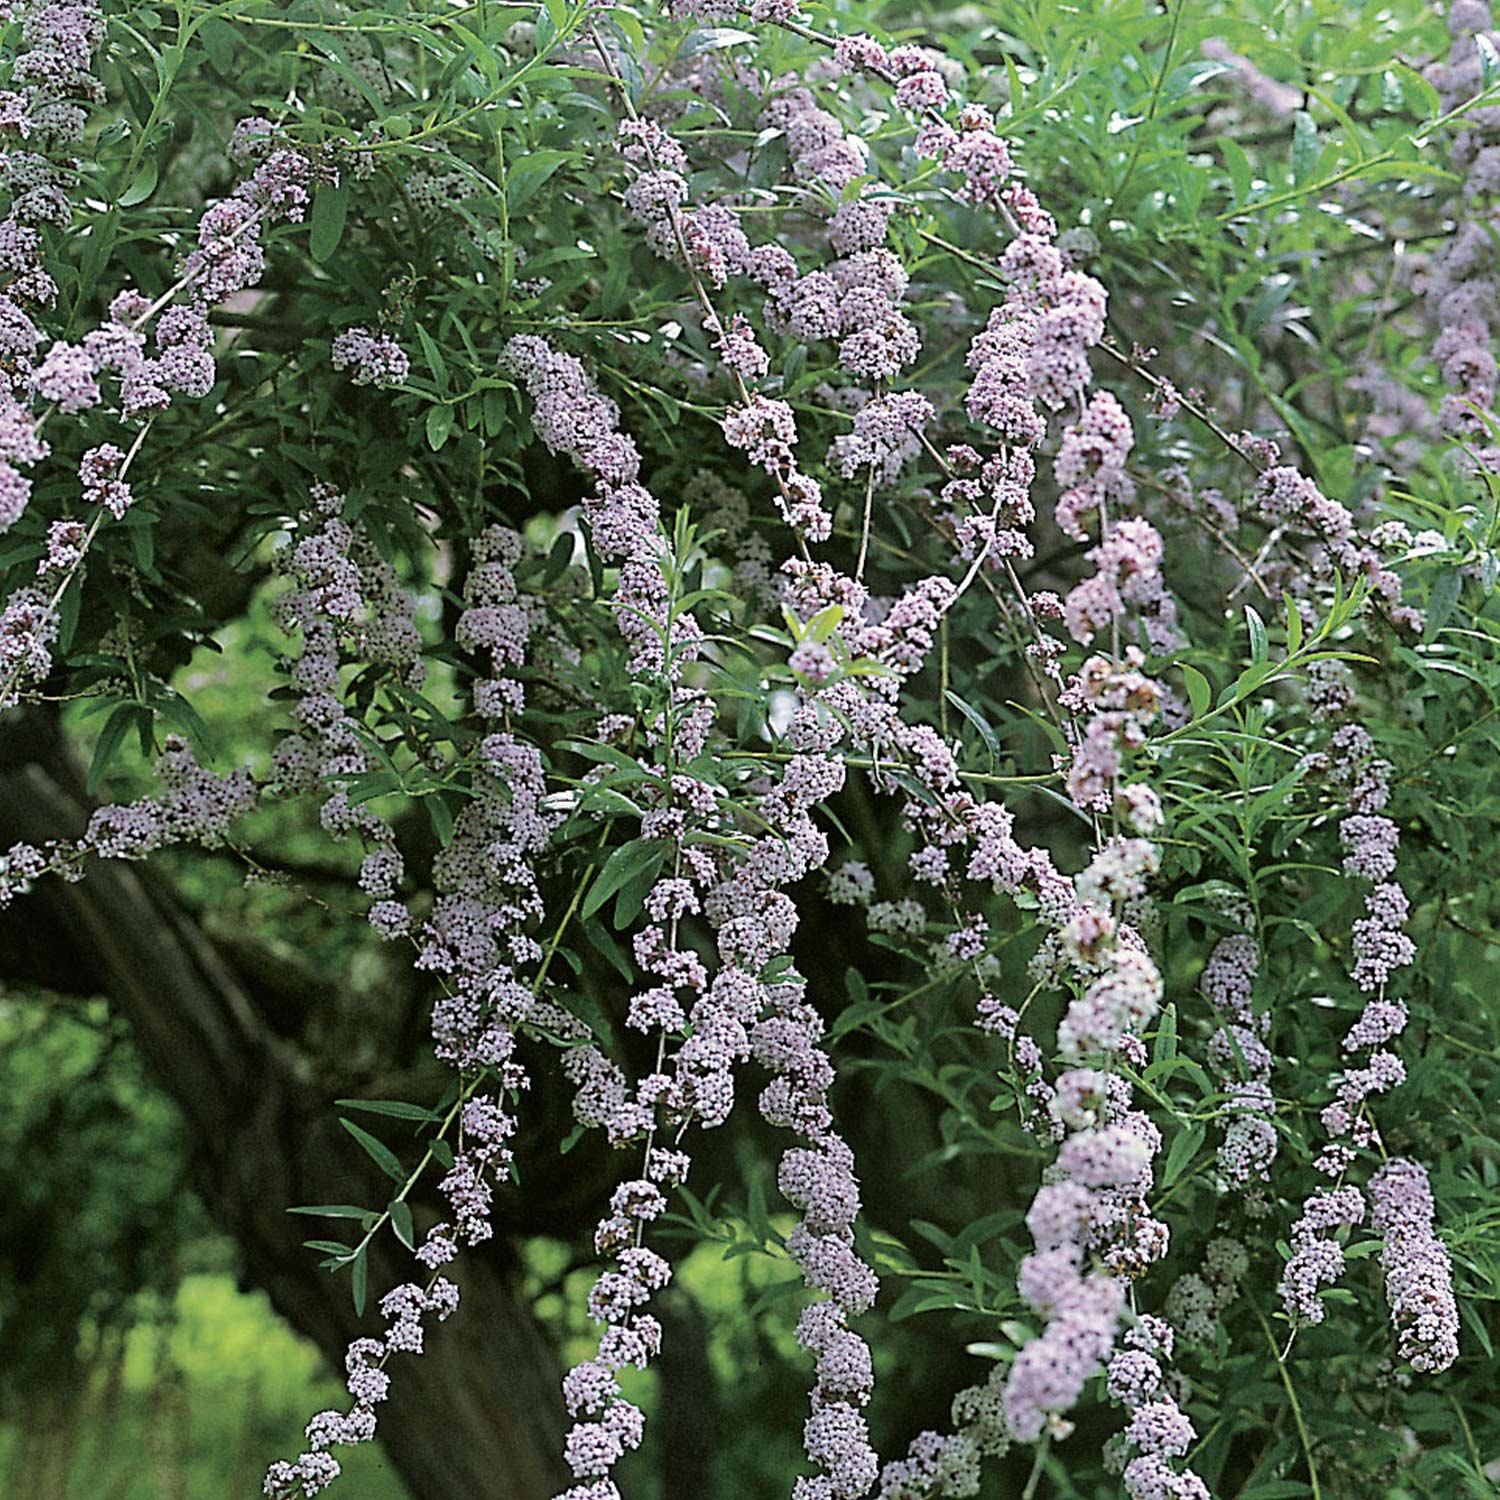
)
(1463, 1421)
(864, 530)
(1035, 1477)
(1291, 1394)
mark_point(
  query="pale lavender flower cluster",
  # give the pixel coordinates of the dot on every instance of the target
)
(572, 417)
(345, 602)
(375, 358)
(754, 922)
(1240, 1055)
(1080, 1308)
(1458, 282)
(404, 1309)
(227, 258)
(28, 630)
(991, 500)
(477, 936)
(42, 118)
(708, 241)
(1317, 1254)
(606, 1425)
(1034, 346)
(968, 146)
(1371, 842)
(1127, 576)
(1291, 502)
(1090, 464)
(1159, 1431)
(1418, 1273)
(192, 806)
(1123, 1234)
(711, 244)
(1120, 703)
(886, 432)
(195, 806)
(821, 152)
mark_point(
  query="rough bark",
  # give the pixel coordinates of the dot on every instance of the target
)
(480, 1413)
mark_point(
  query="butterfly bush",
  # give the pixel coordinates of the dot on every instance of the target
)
(763, 544)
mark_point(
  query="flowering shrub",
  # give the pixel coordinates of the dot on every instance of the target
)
(922, 581)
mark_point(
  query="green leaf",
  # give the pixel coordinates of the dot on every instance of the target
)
(219, 41)
(359, 1282)
(980, 723)
(1200, 694)
(400, 1213)
(1238, 165)
(825, 622)
(1189, 75)
(435, 359)
(441, 818)
(1446, 588)
(332, 1211)
(715, 39)
(329, 211)
(329, 1247)
(1180, 1154)
(439, 425)
(1293, 627)
(143, 184)
(1257, 626)
(110, 739)
(623, 864)
(392, 1107)
(140, 527)
(377, 1151)
(530, 172)
(1165, 1047)
(1421, 98)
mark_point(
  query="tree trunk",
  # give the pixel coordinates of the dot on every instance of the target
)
(480, 1413)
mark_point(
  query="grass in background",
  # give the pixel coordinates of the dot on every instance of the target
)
(192, 1405)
